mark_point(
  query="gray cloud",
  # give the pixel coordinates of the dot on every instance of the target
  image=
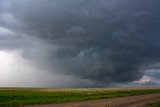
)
(104, 41)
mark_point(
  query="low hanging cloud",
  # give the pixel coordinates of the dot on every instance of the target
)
(101, 41)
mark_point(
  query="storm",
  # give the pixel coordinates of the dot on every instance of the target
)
(79, 43)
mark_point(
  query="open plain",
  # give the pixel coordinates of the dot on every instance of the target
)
(61, 97)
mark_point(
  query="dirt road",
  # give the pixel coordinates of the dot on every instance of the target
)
(131, 101)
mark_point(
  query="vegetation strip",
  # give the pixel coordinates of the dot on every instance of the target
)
(154, 105)
(12, 97)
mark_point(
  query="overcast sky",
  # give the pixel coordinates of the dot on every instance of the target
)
(79, 43)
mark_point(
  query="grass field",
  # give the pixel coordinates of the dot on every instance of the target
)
(154, 105)
(13, 97)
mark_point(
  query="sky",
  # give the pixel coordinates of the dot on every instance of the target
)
(79, 43)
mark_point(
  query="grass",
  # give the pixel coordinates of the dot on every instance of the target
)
(13, 97)
(154, 105)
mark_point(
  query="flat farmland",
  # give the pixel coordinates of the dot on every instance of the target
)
(14, 97)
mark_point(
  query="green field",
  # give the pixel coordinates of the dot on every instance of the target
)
(11, 97)
(154, 105)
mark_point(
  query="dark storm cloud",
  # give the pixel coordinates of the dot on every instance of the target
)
(104, 41)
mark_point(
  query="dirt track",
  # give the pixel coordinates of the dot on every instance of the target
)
(131, 101)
